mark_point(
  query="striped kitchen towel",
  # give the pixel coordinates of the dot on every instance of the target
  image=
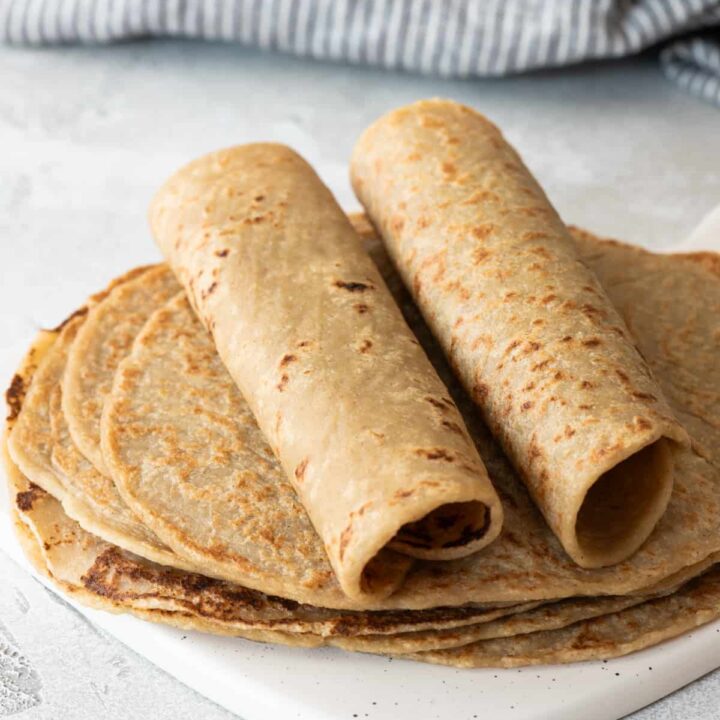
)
(453, 38)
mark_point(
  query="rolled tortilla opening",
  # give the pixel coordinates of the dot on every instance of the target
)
(622, 506)
(446, 532)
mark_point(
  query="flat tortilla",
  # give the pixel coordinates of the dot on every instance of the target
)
(105, 578)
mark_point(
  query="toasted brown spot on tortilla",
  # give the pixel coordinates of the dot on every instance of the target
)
(222, 253)
(283, 382)
(526, 405)
(435, 454)
(449, 169)
(362, 308)
(453, 427)
(482, 232)
(540, 365)
(300, 470)
(345, 539)
(403, 493)
(592, 342)
(480, 391)
(365, 346)
(287, 359)
(352, 286)
(480, 254)
(24, 500)
(644, 396)
(14, 397)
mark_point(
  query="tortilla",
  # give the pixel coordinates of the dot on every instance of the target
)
(119, 583)
(338, 384)
(102, 341)
(531, 333)
(604, 637)
(526, 563)
(84, 548)
(654, 294)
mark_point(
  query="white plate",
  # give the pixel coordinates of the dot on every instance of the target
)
(267, 682)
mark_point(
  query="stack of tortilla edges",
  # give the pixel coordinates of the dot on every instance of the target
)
(153, 473)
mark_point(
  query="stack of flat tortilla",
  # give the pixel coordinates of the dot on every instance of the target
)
(272, 438)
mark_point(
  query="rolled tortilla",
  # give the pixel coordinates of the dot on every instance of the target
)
(527, 327)
(350, 404)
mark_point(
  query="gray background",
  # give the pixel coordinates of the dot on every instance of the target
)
(87, 134)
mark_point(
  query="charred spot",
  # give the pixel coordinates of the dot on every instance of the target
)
(622, 375)
(592, 342)
(568, 432)
(511, 347)
(287, 359)
(452, 426)
(538, 322)
(540, 365)
(439, 404)
(566, 339)
(470, 533)
(351, 286)
(585, 407)
(526, 406)
(435, 454)
(399, 494)
(345, 539)
(559, 375)
(283, 382)
(532, 347)
(25, 500)
(587, 385)
(548, 298)
(365, 346)
(361, 308)
(259, 198)
(303, 343)
(644, 396)
(222, 253)
(592, 312)
(14, 397)
(300, 470)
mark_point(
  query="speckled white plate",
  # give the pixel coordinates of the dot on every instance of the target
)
(267, 682)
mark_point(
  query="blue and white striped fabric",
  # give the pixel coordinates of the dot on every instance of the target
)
(454, 38)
